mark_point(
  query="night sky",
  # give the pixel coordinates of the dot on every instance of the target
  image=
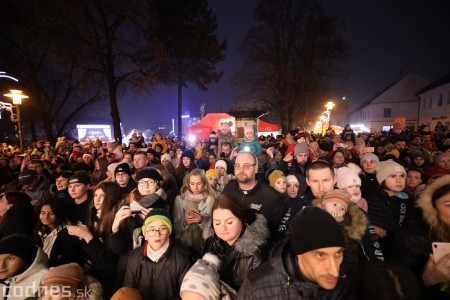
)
(388, 40)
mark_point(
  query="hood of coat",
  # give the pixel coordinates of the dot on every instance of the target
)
(254, 236)
(430, 213)
(38, 266)
(355, 221)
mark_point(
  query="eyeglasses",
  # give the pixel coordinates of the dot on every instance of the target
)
(160, 231)
(147, 182)
(244, 166)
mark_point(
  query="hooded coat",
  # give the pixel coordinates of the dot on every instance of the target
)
(28, 282)
(278, 279)
(411, 247)
(247, 253)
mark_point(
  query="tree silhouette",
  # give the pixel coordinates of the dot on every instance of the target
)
(182, 46)
(289, 55)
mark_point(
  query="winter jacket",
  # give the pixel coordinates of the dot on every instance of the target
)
(261, 199)
(65, 249)
(27, 283)
(276, 279)
(247, 253)
(157, 280)
(391, 213)
(369, 185)
(411, 247)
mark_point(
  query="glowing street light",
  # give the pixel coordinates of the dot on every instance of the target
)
(17, 96)
(329, 107)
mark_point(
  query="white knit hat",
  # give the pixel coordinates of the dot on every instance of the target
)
(292, 179)
(369, 155)
(221, 163)
(345, 177)
(386, 168)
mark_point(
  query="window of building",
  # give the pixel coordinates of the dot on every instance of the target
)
(440, 99)
(424, 103)
(431, 101)
(387, 112)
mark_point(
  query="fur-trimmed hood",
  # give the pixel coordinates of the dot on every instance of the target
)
(355, 221)
(430, 213)
(254, 236)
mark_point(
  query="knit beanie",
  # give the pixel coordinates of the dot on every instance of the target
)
(126, 293)
(212, 172)
(386, 168)
(148, 173)
(313, 228)
(367, 156)
(188, 153)
(157, 214)
(122, 167)
(292, 179)
(166, 156)
(65, 275)
(274, 176)
(337, 195)
(19, 245)
(300, 148)
(203, 278)
(345, 177)
(221, 163)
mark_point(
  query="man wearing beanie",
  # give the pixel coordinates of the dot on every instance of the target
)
(306, 266)
(300, 163)
(157, 268)
(23, 267)
(122, 174)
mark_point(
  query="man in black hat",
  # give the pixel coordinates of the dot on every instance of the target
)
(122, 174)
(78, 208)
(34, 186)
(307, 266)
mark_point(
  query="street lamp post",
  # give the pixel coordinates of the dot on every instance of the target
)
(329, 106)
(322, 120)
(17, 96)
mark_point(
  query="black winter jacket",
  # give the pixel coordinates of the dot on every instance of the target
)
(276, 279)
(247, 253)
(160, 280)
(261, 199)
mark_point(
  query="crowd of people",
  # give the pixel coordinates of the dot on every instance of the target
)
(294, 216)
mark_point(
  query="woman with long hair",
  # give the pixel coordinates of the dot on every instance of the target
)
(51, 235)
(192, 211)
(16, 214)
(240, 239)
(100, 167)
(107, 198)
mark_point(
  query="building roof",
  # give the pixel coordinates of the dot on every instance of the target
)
(399, 91)
(437, 83)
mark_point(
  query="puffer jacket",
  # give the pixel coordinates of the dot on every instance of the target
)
(160, 280)
(275, 279)
(27, 283)
(412, 246)
(247, 253)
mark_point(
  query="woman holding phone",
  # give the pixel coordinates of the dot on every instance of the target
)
(192, 211)
(413, 247)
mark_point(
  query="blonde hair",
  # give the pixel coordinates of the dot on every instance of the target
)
(207, 190)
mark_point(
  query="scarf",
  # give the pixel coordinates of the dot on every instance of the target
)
(155, 255)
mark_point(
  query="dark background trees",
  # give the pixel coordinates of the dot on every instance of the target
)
(289, 56)
(182, 46)
(71, 54)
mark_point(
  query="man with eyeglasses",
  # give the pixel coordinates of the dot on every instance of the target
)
(259, 196)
